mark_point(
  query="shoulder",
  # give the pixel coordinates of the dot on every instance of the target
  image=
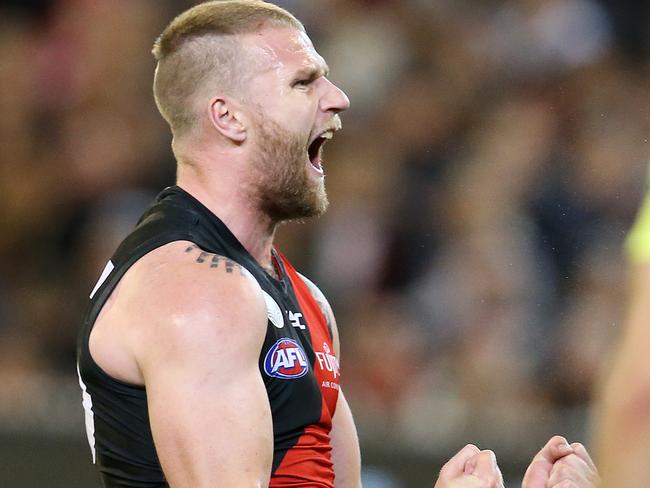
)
(319, 296)
(181, 273)
(186, 297)
(325, 307)
(315, 291)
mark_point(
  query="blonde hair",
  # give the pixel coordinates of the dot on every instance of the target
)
(199, 51)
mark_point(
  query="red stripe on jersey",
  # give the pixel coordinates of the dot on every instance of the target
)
(309, 462)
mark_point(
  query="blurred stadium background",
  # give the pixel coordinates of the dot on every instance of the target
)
(491, 164)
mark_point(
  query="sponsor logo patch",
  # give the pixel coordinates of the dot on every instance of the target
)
(327, 361)
(286, 359)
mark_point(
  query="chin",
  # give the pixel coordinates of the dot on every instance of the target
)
(301, 206)
(292, 187)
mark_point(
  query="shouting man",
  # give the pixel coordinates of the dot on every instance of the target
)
(206, 359)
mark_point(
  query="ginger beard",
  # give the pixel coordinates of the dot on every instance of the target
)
(282, 185)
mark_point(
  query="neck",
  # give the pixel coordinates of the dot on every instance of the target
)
(225, 196)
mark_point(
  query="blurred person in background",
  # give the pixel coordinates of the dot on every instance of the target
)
(624, 415)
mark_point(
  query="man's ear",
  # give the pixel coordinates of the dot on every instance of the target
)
(227, 119)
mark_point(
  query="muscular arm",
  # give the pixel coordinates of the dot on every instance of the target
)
(346, 454)
(200, 328)
(345, 447)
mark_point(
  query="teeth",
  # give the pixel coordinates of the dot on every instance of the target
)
(327, 135)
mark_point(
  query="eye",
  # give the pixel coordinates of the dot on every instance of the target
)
(302, 83)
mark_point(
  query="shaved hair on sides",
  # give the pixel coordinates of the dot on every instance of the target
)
(199, 52)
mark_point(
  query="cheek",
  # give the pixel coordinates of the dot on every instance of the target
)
(294, 112)
(297, 122)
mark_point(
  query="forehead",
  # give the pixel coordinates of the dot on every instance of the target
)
(284, 49)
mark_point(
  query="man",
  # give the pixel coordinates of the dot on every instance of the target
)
(205, 358)
(624, 418)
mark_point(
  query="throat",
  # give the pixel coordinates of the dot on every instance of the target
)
(273, 269)
(272, 272)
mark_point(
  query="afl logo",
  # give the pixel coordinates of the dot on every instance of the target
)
(286, 360)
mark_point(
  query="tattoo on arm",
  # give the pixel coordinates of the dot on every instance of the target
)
(216, 261)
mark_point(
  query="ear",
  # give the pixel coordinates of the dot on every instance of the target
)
(227, 120)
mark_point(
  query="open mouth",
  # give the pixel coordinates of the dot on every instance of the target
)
(315, 151)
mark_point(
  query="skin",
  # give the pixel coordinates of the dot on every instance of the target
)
(574, 471)
(195, 341)
(623, 423)
(557, 465)
(561, 465)
(470, 468)
(539, 470)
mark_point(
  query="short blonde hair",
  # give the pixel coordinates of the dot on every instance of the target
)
(199, 49)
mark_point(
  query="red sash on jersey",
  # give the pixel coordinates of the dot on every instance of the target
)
(309, 461)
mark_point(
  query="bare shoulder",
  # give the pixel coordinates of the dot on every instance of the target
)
(180, 302)
(315, 291)
(319, 296)
(325, 307)
(182, 284)
(184, 270)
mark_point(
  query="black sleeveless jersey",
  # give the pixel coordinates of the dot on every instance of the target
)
(297, 362)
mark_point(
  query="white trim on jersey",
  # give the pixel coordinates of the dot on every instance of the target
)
(87, 403)
(107, 270)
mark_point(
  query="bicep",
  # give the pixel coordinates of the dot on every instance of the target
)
(346, 455)
(211, 429)
(209, 412)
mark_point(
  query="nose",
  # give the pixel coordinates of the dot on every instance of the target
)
(334, 99)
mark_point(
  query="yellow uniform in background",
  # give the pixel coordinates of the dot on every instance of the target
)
(637, 245)
(623, 422)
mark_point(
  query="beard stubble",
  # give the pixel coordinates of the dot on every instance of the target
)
(282, 186)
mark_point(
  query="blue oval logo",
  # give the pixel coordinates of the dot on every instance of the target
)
(286, 359)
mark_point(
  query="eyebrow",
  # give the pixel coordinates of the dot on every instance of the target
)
(313, 72)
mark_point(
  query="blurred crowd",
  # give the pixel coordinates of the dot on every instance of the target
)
(492, 161)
